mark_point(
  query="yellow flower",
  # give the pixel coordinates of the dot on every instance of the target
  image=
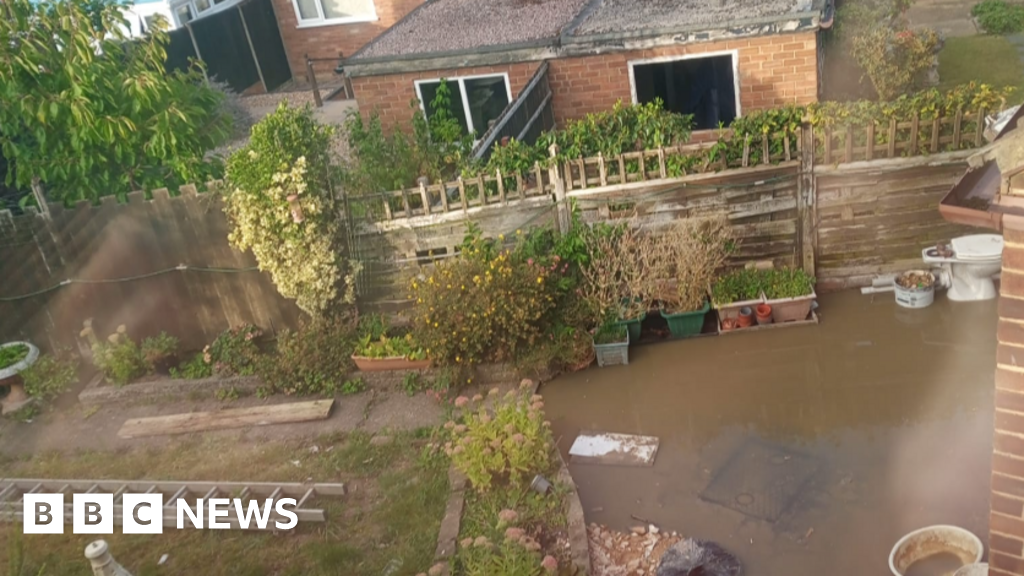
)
(540, 279)
(501, 236)
(435, 324)
(519, 231)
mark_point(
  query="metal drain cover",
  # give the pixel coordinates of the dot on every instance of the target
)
(760, 480)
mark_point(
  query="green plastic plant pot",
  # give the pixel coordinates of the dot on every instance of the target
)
(684, 324)
(633, 326)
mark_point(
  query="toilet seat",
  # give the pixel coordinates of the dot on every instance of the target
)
(977, 248)
(972, 249)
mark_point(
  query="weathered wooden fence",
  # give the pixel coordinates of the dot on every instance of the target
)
(875, 217)
(844, 220)
(154, 265)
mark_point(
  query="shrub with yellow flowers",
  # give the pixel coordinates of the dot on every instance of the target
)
(488, 304)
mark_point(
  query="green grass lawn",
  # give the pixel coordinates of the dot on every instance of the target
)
(392, 513)
(988, 59)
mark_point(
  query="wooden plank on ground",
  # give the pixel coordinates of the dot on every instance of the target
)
(612, 448)
(230, 418)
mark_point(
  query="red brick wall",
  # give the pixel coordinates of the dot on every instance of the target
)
(390, 95)
(1006, 519)
(773, 70)
(327, 41)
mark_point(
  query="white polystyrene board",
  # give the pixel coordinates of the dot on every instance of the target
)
(978, 247)
(613, 448)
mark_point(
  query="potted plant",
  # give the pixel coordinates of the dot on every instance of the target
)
(611, 344)
(377, 351)
(790, 293)
(615, 276)
(14, 358)
(686, 258)
(737, 290)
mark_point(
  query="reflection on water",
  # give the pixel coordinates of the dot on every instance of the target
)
(893, 407)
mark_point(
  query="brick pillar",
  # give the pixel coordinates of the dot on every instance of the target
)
(1006, 516)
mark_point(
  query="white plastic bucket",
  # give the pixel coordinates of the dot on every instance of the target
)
(926, 542)
(973, 570)
(914, 297)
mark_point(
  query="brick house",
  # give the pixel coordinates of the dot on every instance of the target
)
(325, 28)
(715, 59)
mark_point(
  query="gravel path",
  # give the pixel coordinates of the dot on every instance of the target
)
(635, 15)
(444, 25)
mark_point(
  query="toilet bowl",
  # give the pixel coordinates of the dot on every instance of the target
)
(969, 270)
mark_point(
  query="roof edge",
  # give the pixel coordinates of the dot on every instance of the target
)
(807, 20)
(487, 56)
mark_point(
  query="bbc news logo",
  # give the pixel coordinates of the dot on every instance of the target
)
(95, 513)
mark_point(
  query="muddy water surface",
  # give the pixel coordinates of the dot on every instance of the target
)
(806, 450)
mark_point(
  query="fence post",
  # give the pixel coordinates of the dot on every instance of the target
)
(312, 80)
(561, 203)
(103, 564)
(806, 206)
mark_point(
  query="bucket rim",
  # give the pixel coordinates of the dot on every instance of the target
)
(899, 543)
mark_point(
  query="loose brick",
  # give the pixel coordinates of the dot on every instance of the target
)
(1005, 562)
(1011, 546)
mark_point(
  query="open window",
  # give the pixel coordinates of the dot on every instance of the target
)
(476, 101)
(703, 85)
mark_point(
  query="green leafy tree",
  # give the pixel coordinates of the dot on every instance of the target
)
(89, 113)
(282, 207)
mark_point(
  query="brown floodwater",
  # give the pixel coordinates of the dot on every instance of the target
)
(941, 564)
(804, 450)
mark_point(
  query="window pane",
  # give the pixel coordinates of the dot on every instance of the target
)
(429, 92)
(202, 5)
(347, 8)
(487, 98)
(307, 10)
(184, 13)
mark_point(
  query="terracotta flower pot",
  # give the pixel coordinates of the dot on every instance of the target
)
(365, 364)
(764, 314)
(746, 317)
(728, 324)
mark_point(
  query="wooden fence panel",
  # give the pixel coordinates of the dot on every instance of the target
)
(137, 242)
(393, 252)
(760, 202)
(876, 220)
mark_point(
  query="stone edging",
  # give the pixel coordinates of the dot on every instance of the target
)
(448, 535)
(579, 543)
(98, 392)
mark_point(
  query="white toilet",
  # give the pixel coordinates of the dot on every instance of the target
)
(969, 270)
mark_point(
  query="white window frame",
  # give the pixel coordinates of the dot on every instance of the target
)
(663, 59)
(461, 80)
(196, 14)
(321, 20)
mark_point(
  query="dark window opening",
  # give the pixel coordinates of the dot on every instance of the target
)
(703, 87)
(428, 91)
